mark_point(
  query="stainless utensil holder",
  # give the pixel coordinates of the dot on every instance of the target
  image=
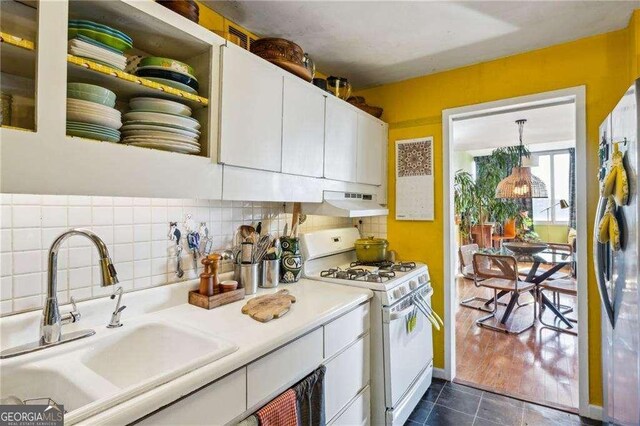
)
(270, 273)
(249, 277)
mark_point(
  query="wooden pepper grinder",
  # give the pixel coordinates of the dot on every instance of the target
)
(206, 279)
(214, 258)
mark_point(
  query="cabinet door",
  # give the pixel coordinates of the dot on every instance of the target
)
(251, 111)
(357, 413)
(273, 373)
(347, 374)
(215, 404)
(302, 128)
(372, 138)
(340, 146)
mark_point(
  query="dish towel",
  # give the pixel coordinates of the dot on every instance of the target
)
(310, 398)
(252, 420)
(280, 412)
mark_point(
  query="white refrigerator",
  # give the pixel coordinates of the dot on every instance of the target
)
(617, 269)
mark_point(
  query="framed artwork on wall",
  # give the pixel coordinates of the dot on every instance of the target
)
(414, 179)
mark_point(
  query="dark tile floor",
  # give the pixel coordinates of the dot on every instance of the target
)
(447, 403)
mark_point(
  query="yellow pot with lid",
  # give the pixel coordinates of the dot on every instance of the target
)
(371, 249)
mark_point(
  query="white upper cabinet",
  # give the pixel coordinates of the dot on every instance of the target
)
(251, 111)
(302, 128)
(372, 141)
(341, 141)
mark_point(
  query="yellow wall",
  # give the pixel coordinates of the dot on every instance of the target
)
(606, 64)
(552, 233)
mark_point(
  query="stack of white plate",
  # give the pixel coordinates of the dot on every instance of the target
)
(92, 49)
(94, 120)
(161, 124)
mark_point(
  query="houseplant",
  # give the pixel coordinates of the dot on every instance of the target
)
(476, 207)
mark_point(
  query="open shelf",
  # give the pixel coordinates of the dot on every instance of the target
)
(18, 61)
(18, 56)
(127, 85)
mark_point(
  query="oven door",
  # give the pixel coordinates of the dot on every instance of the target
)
(406, 353)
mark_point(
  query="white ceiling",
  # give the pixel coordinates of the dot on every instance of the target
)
(547, 127)
(376, 42)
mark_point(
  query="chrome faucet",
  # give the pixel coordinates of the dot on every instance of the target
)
(52, 320)
(115, 316)
(51, 326)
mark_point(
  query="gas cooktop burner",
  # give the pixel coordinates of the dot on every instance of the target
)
(358, 274)
(385, 264)
(400, 266)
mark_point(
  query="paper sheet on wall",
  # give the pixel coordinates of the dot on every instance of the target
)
(414, 179)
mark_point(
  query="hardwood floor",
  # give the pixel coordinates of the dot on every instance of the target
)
(538, 365)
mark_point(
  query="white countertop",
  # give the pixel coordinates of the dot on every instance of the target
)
(317, 303)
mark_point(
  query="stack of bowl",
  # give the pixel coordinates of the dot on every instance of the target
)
(161, 124)
(91, 113)
(99, 43)
(170, 72)
(187, 8)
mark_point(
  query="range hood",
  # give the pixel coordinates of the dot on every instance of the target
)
(346, 204)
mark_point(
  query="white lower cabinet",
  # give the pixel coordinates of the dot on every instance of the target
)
(347, 374)
(357, 412)
(342, 345)
(339, 333)
(278, 370)
(216, 404)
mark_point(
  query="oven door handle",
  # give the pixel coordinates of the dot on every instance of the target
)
(426, 313)
(433, 312)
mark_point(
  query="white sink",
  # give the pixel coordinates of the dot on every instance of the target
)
(30, 383)
(99, 372)
(153, 352)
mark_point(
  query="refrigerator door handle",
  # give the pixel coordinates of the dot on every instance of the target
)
(599, 254)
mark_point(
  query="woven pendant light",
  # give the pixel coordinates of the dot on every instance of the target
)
(521, 183)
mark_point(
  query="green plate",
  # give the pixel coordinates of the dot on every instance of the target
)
(167, 64)
(91, 93)
(95, 128)
(92, 135)
(81, 22)
(102, 37)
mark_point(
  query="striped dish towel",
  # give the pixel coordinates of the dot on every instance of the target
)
(280, 412)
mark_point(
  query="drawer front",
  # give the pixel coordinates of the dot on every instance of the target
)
(357, 413)
(346, 375)
(218, 403)
(339, 333)
(283, 367)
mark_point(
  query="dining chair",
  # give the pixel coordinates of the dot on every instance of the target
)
(508, 234)
(465, 255)
(500, 274)
(567, 287)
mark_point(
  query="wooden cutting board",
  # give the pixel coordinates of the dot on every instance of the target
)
(270, 306)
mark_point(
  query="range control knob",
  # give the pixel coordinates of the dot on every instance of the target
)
(413, 284)
(403, 290)
(422, 278)
(397, 293)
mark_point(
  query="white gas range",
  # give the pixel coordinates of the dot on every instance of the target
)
(401, 319)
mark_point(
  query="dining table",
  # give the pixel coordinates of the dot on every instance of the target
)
(553, 259)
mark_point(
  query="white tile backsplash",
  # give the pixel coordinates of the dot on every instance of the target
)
(374, 226)
(135, 231)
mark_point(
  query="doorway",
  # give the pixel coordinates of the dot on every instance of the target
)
(522, 364)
